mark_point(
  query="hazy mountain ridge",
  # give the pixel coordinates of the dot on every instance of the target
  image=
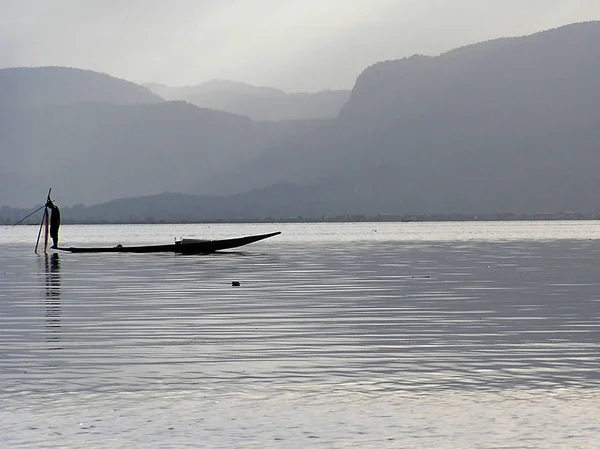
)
(537, 72)
(283, 200)
(505, 126)
(39, 86)
(181, 92)
(258, 103)
(94, 152)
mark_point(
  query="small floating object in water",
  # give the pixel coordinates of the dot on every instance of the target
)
(235, 284)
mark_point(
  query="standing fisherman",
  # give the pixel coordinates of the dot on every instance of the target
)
(54, 222)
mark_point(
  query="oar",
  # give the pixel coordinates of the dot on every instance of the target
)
(40, 231)
(23, 219)
(44, 220)
(48, 200)
(46, 232)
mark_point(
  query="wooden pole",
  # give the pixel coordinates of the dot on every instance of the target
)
(46, 234)
(44, 221)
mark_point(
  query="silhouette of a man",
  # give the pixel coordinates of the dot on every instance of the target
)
(54, 222)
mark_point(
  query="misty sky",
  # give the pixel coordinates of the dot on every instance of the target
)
(296, 45)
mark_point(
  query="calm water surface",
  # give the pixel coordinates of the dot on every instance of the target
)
(370, 335)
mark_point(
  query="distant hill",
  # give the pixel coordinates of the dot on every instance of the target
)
(258, 103)
(282, 201)
(94, 152)
(39, 86)
(510, 125)
(180, 93)
(176, 207)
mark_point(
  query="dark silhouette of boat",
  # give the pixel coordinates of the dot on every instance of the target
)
(184, 246)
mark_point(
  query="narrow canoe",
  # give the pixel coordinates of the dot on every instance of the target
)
(182, 247)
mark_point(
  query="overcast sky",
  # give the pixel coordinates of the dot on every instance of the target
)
(296, 45)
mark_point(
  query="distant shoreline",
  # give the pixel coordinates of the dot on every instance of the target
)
(565, 216)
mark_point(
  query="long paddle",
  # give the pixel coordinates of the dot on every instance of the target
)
(46, 233)
(44, 220)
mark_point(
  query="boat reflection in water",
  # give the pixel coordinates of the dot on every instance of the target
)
(52, 299)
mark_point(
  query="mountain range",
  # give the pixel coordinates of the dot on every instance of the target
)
(258, 103)
(506, 126)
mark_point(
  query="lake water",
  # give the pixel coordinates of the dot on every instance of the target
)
(369, 335)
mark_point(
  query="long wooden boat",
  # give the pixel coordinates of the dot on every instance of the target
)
(184, 246)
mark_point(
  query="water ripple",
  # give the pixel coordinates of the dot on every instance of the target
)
(311, 324)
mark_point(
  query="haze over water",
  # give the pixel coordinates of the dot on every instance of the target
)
(340, 335)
